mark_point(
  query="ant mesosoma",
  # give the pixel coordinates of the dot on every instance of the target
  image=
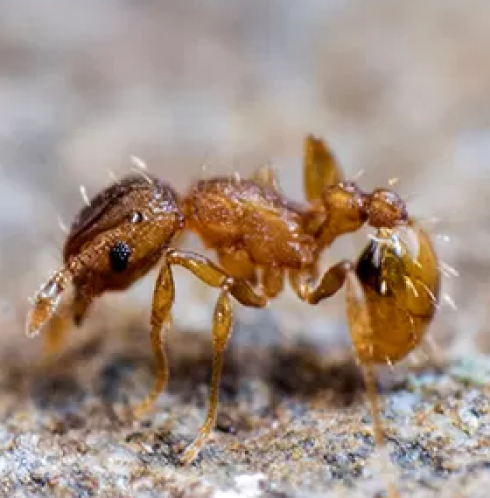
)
(392, 290)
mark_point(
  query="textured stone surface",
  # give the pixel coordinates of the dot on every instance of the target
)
(294, 425)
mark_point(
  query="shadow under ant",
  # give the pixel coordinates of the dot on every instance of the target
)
(293, 371)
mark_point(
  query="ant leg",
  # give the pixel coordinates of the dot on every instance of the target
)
(163, 298)
(320, 168)
(359, 324)
(243, 292)
(379, 436)
(302, 282)
(214, 276)
(360, 330)
(360, 327)
(222, 326)
(273, 281)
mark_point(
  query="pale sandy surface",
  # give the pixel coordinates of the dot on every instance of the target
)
(400, 90)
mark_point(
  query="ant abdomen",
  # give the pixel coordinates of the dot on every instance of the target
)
(400, 278)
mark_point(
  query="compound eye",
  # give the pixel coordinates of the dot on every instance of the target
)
(119, 256)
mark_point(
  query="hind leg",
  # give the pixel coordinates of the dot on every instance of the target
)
(360, 327)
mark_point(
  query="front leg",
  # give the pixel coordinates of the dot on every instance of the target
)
(163, 298)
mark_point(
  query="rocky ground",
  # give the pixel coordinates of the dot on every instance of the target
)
(196, 88)
(291, 424)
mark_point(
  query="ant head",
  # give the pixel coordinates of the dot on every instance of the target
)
(386, 209)
(123, 232)
(115, 240)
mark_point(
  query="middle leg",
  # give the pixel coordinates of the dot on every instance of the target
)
(222, 327)
(243, 292)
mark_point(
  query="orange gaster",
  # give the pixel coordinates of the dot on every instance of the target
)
(260, 237)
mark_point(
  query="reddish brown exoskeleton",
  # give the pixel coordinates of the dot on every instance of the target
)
(260, 237)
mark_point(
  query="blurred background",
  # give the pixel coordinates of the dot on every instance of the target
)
(399, 90)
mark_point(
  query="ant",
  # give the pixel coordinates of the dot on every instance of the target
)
(260, 237)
